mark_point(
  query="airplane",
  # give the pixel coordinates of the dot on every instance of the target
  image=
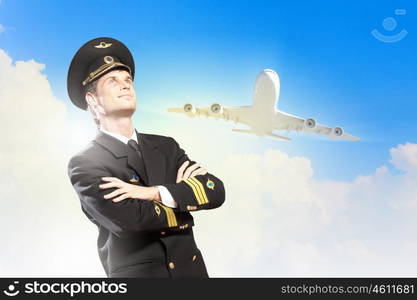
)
(263, 117)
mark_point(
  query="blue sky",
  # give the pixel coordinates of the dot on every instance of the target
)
(330, 66)
(302, 205)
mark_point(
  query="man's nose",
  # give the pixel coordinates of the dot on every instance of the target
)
(125, 85)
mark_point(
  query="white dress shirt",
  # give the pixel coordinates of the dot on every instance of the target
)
(166, 196)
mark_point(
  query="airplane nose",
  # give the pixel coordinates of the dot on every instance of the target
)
(269, 71)
(271, 74)
(268, 77)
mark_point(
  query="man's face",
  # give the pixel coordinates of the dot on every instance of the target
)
(115, 94)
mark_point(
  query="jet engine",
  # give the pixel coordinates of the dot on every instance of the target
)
(189, 108)
(216, 108)
(337, 131)
(310, 123)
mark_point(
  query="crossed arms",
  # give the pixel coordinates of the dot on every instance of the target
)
(125, 209)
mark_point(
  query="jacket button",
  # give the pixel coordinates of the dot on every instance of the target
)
(190, 207)
(162, 232)
(171, 265)
(194, 257)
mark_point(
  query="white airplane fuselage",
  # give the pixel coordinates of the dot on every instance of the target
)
(263, 117)
(265, 100)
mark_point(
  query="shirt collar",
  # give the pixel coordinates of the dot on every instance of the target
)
(120, 137)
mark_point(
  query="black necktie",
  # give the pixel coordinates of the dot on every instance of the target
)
(134, 156)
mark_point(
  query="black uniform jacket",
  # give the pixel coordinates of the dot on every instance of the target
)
(140, 238)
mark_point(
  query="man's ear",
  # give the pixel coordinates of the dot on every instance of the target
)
(91, 99)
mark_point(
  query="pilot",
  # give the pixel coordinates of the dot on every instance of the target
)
(137, 188)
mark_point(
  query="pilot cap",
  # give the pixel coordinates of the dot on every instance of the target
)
(94, 59)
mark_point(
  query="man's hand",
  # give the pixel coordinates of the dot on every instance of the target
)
(126, 190)
(192, 171)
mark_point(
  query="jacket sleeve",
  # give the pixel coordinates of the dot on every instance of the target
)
(122, 218)
(196, 193)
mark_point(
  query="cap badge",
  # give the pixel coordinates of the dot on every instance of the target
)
(108, 59)
(103, 45)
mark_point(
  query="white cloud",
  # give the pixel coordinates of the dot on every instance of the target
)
(278, 220)
(2, 28)
(404, 157)
(40, 221)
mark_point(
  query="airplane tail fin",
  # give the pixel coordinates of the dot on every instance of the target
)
(269, 134)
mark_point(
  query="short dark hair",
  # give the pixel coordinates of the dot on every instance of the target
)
(91, 87)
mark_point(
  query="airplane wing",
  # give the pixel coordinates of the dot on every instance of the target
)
(237, 114)
(285, 121)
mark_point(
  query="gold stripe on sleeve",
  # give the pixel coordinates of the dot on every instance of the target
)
(172, 220)
(194, 188)
(198, 188)
(204, 199)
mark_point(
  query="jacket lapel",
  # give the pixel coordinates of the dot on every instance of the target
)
(154, 160)
(119, 150)
(115, 146)
(135, 162)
